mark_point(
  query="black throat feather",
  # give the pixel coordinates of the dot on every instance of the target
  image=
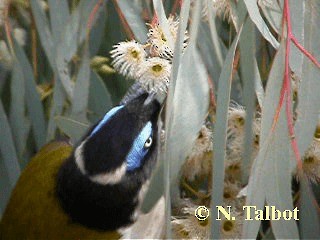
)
(110, 206)
(101, 207)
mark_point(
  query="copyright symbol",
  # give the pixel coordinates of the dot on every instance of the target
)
(202, 213)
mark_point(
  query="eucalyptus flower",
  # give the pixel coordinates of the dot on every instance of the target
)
(158, 42)
(128, 57)
(198, 163)
(311, 161)
(154, 74)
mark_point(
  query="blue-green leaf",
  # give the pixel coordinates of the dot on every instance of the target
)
(297, 11)
(73, 128)
(59, 97)
(273, 13)
(34, 105)
(81, 90)
(247, 61)
(8, 150)
(99, 98)
(44, 31)
(159, 9)
(75, 32)
(18, 121)
(59, 14)
(309, 88)
(309, 217)
(220, 134)
(133, 17)
(259, 177)
(259, 22)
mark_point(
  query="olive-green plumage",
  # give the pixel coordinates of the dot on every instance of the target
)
(34, 211)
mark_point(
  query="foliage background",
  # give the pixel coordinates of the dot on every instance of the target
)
(53, 85)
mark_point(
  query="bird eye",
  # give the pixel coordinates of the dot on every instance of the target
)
(148, 143)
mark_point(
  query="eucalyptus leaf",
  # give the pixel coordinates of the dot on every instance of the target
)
(214, 35)
(132, 15)
(18, 121)
(33, 101)
(57, 102)
(273, 13)
(163, 22)
(255, 16)
(220, 134)
(81, 90)
(279, 172)
(73, 128)
(189, 106)
(99, 98)
(8, 150)
(44, 31)
(298, 13)
(258, 84)
(161, 178)
(308, 93)
(259, 177)
(74, 33)
(247, 61)
(309, 214)
(59, 14)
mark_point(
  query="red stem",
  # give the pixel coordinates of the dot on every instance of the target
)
(7, 26)
(288, 85)
(123, 20)
(305, 52)
(93, 14)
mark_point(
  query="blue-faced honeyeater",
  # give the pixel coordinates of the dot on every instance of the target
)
(93, 190)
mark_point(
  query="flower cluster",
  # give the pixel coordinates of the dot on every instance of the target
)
(311, 159)
(198, 166)
(149, 64)
(221, 8)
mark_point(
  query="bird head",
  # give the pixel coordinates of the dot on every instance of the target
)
(101, 185)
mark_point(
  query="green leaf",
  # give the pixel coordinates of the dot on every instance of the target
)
(97, 33)
(81, 90)
(44, 31)
(7, 148)
(258, 178)
(297, 11)
(18, 121)
(132, 15)
(34, 105)
(210, 51)
(278, 170)
(214, 35)
(59, 14)
(271, 172)
(156, 187)
(309, 88)
(309, 215)
(273, 13)
(163, 22)
(73, 128)
(99, 98)
(258, 84)
(5, 187)
(220, 133)
(259, 22)
(74, 34)
(189, 106)
(161, 179)
(57, 102)
(247, 62)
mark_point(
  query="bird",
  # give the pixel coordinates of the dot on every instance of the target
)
(93, 190)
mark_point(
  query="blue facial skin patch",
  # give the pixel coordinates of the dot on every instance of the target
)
(138, 150)
(105, 119)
